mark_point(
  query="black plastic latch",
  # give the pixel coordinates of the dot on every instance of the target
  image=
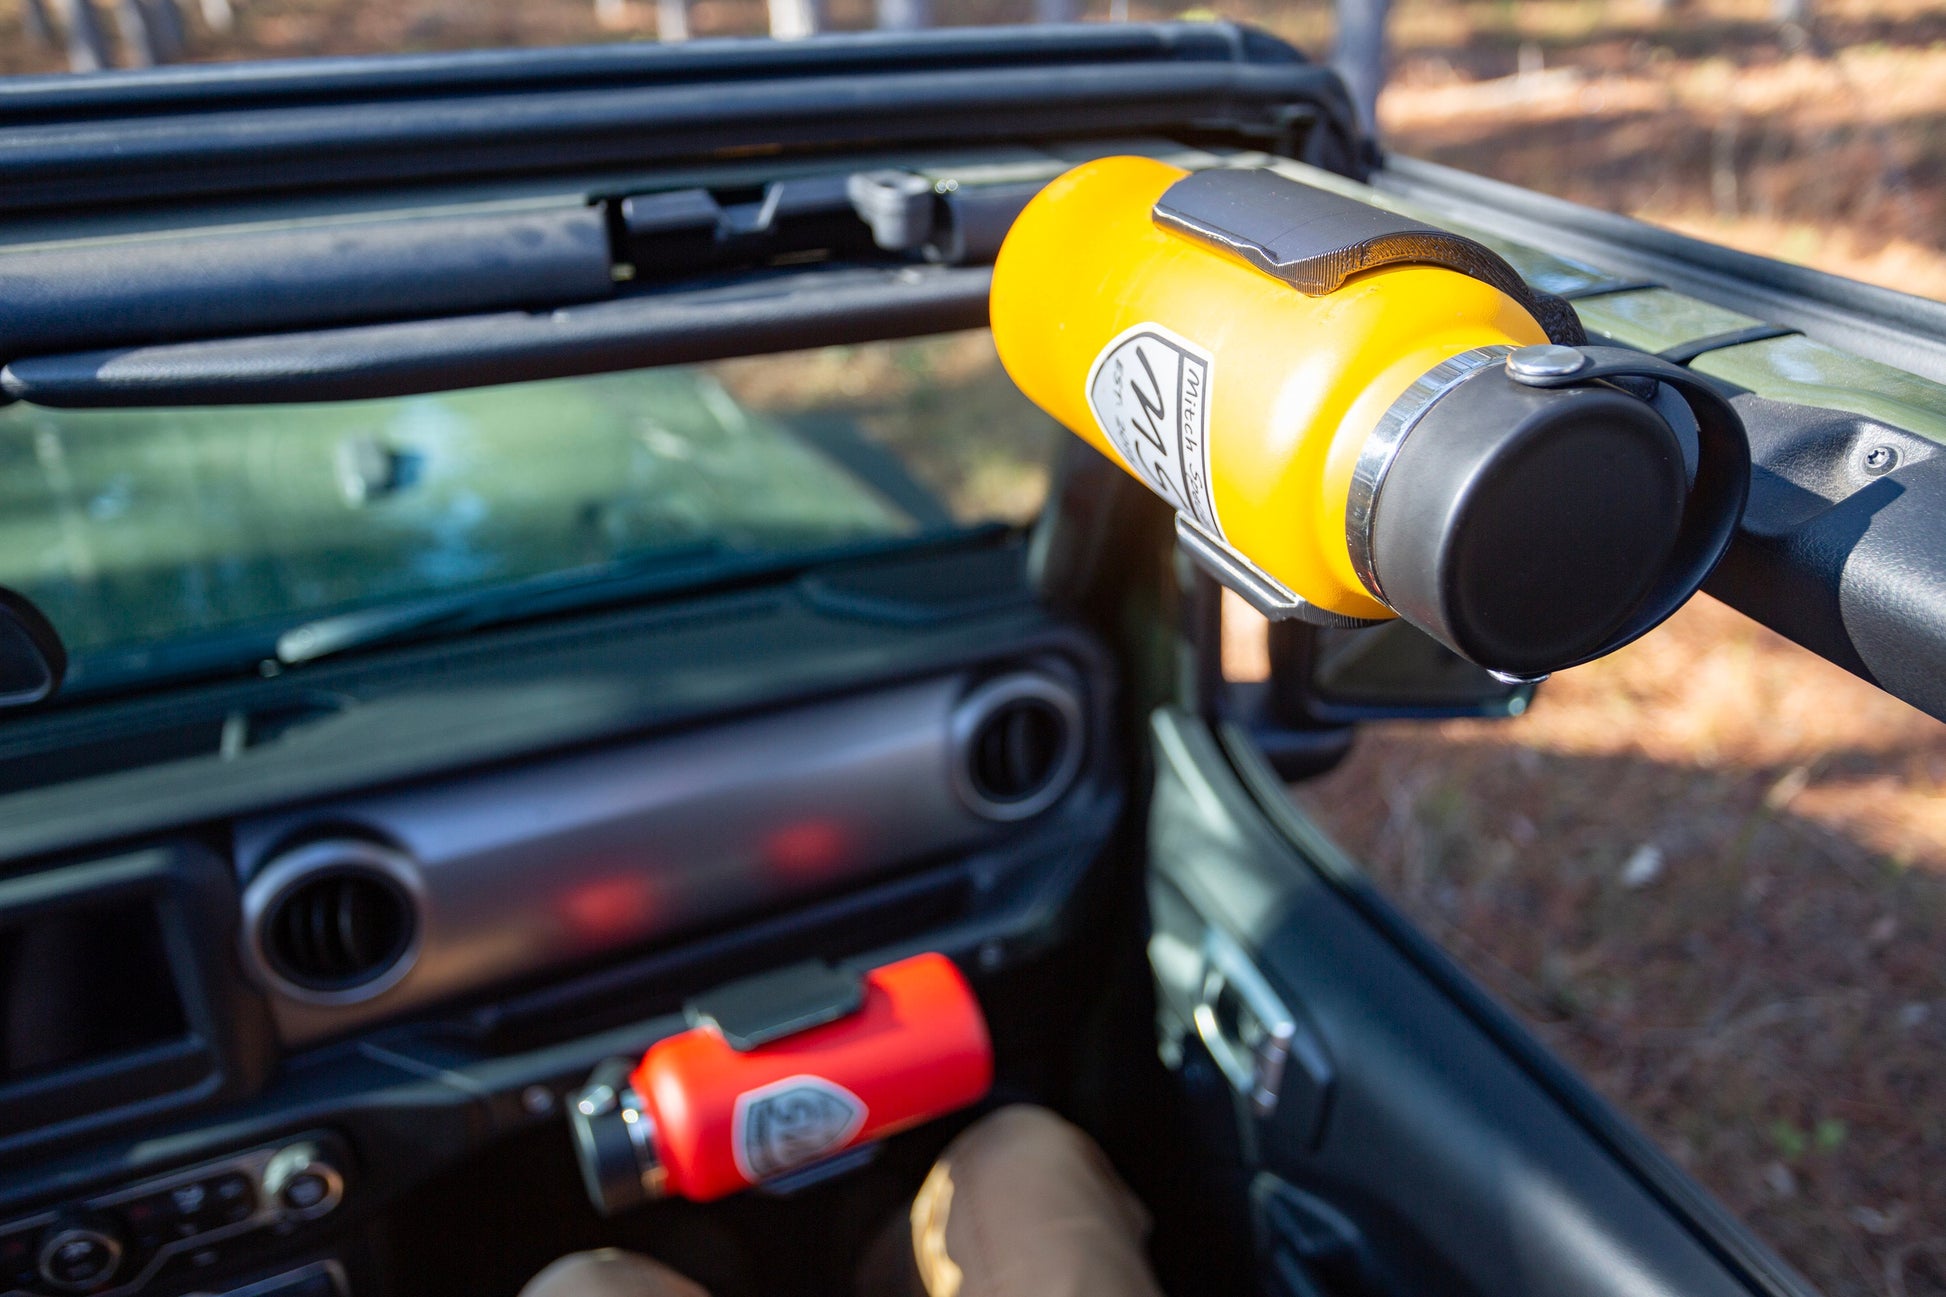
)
(1314, 240)
(684, 232)
(939, 221)
(756, 1010)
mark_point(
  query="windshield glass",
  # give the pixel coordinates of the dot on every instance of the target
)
(138, 530)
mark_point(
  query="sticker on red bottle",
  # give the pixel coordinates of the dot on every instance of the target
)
(1149, 389)
(792, 1122)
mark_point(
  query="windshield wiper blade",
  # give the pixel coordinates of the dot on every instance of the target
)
(631, 576)
(366, 627)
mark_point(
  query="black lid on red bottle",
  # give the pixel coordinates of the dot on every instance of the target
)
(615, 1141)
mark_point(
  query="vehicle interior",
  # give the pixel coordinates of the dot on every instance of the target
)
(539, 536)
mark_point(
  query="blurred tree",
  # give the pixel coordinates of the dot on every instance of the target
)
(87, 42)
(1361, 55)
(151, 31)
(795, 19)
(33, 16)
(672, 20)
(904, 15)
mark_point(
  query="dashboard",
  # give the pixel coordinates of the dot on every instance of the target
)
(257, 997)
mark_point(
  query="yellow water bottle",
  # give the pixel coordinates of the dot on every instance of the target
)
(1356, 416)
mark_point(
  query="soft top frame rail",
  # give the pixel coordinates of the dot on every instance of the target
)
(233, 130)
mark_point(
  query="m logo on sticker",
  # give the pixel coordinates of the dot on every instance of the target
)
(787, 1123)
(1149, 389)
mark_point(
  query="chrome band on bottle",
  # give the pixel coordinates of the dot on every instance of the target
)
(1382, 447)
(641, 1134)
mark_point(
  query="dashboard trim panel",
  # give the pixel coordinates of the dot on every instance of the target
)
(557, 863)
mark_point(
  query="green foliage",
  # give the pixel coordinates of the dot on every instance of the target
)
(1793, 1142)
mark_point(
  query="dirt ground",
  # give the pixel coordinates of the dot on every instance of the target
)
(1825, 146)
(1710, 870)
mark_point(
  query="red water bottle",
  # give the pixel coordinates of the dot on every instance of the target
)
(781, 1072)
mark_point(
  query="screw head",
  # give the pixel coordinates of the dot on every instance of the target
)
(1546, 360)
(1880, 460)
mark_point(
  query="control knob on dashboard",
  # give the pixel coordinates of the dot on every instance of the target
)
(302, 1181)
(79, 1253)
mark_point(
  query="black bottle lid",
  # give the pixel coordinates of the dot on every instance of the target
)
(1524, 526)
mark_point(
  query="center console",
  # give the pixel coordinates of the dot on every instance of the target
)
(177, 1227)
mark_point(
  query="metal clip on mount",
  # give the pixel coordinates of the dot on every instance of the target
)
(1258, 588)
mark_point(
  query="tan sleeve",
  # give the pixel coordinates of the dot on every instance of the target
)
(1025, 1205)
(610, 1272)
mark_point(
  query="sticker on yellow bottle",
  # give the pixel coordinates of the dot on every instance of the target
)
(1149, 389)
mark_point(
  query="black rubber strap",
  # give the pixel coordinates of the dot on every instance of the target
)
(1610, 288)
(1683, 353)
(1314, 240)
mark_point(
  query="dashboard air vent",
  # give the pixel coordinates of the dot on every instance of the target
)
(1019, 745)
(337, 931)
(1017, 750)
(334, 923)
